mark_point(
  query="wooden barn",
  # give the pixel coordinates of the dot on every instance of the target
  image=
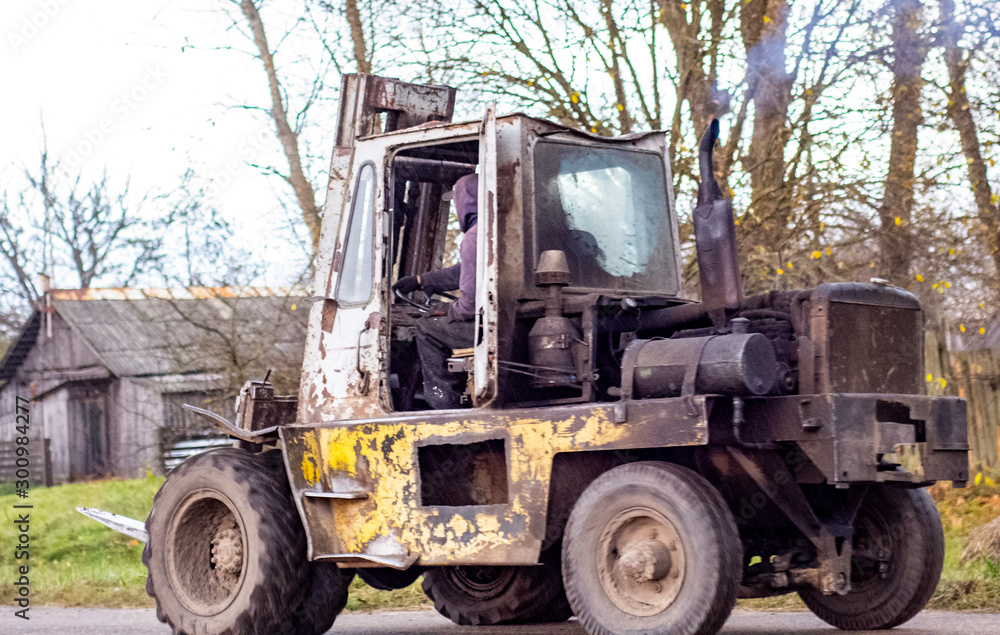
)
(108, 369)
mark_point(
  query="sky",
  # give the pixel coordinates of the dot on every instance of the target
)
(119, 85)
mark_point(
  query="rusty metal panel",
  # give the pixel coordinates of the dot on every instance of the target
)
(381, 458)
(844, 435)
(365, 99)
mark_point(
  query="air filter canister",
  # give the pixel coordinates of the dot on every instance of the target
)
(734, 364)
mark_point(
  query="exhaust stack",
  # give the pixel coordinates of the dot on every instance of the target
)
(715, 239)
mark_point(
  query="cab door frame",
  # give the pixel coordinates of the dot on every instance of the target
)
(485, 347)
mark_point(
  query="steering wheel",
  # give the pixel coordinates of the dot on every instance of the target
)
(425, 306)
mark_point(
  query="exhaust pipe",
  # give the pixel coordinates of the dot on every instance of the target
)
(715, 239)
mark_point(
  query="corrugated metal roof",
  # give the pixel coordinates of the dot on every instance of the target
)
(151, 332)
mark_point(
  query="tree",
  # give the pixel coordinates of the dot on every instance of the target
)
(961, 112)
(909, 49)
(59, 223)
(287, 136)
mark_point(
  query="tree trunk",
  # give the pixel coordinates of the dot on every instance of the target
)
(960, 112)
(909, 50)
(763, 24)
(357, 36)
(695, 84)
(288, 137)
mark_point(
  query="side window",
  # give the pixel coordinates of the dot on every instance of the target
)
(355, 283)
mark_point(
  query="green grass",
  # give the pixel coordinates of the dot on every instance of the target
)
(75, 561)
(78, 562)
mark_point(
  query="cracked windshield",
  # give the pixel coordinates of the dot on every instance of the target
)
(607, 209)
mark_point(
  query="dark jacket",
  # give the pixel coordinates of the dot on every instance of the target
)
(463, 275)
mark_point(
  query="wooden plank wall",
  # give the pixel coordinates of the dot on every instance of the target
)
(39, 462)
(974, 376)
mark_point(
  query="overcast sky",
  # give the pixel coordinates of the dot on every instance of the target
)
(119, 85)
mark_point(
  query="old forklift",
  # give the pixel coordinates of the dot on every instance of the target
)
(627, 456)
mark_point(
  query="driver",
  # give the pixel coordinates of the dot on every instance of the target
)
(451, 326)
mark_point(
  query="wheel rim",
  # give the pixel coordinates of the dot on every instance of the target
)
(641, 561)
(481, 583)
(872, 553)
(206, 560)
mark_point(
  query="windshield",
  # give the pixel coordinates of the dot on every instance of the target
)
(607, 210)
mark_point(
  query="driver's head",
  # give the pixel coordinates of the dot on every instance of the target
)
(466, 195)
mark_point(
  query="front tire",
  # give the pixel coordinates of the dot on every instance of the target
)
(651, 547)
(896, 564)
(226, 550)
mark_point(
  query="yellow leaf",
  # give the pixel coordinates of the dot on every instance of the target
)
(829, 251)
(132, 543)
(790, 265)
(961, 327)
(989, 482)
(951, 252)
(816, 255)
(979, 479)
(620, 107)
(982, 330)
(899, 221)
(935, 285)
(295, 306)
(920, 278)
(780, 271)
(947, 284)
(871, 266)
(767, 20)
(943, 382)
(930, 377)
(575, 97)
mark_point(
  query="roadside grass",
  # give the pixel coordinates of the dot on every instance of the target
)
(78, 562)
(73, 560)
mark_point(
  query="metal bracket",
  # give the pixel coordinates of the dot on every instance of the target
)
(832, 540)
(257, 436)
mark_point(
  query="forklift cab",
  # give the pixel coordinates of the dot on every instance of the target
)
(542, 187)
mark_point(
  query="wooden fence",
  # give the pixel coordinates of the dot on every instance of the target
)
(975, 376)
(39, 462)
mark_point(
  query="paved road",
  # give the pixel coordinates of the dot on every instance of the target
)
(56, 621)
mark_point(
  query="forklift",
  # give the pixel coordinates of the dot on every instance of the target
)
(624, 454)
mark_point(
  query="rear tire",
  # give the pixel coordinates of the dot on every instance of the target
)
(904, 524)
(498, 595)
(385, 579)
(651, 547)
(325, 597)
(226, 550)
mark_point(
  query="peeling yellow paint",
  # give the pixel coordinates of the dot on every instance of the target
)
(381, 455)
(487, 522)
